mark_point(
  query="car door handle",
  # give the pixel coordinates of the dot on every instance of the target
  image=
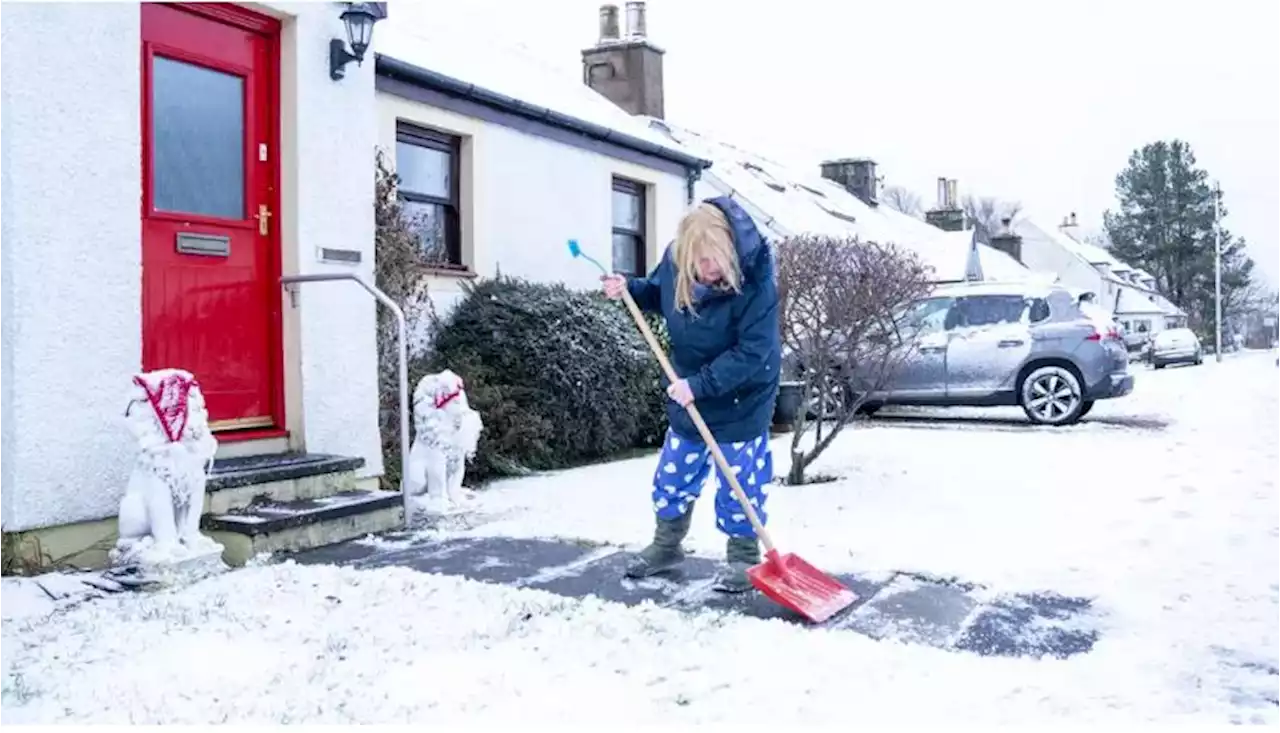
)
(1010, 343)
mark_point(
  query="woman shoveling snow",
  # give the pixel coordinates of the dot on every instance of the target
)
(715, 288)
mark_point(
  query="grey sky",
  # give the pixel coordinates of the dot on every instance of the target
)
(1038, 102)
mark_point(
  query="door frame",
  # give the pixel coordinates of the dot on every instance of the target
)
(270, 29)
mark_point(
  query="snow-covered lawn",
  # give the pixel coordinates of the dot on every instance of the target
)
(1162, 507)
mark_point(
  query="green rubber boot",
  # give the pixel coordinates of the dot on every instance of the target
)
(664, 553)
(740, 553)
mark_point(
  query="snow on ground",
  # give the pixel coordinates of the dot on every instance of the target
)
(1162, 507)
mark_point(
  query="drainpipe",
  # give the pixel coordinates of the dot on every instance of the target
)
(691, 177)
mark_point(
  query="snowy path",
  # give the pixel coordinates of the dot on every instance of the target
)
(1162, 508)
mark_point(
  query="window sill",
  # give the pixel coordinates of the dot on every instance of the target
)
(464, 273)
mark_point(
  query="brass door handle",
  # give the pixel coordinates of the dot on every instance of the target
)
(263, 215)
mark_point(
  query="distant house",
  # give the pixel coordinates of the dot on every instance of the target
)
(513, 159)
(1129, 293)
(838, 198)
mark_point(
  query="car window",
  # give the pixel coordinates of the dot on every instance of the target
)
(928, 315)
(1039, 310)
(989, 310)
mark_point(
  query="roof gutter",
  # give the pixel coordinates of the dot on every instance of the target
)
(396, 69)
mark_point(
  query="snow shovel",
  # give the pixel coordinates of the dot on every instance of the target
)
(787, 579)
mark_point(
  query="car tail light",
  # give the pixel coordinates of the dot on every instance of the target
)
(1111, 334)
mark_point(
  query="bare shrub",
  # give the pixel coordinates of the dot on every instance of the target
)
(842, 305)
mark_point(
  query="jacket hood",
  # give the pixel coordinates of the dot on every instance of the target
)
(747, 239)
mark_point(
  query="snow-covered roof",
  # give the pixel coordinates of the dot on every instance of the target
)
(1166, 305)
(786, 200)
(510, 77)
(1132, 301)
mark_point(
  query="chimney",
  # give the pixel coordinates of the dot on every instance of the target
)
(1007, 240)
(609, 32)
(635, 21)
(856, 175)
(626, 70)
(946, 214)
(1070, 226)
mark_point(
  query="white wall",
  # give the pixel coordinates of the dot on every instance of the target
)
(329, 142)
(72, 253)
(523, 197)
(72, 334)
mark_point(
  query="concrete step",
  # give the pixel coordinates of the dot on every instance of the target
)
(273, 525)
(236, 483)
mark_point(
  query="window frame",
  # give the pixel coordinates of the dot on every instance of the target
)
(416, 135)
(640, 192)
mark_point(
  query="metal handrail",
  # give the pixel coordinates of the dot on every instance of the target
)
(402, 329)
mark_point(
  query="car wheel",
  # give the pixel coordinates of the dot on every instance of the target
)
(1084, 409)
(1051, 395)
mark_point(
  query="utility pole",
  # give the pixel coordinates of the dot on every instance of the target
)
(1217, 274)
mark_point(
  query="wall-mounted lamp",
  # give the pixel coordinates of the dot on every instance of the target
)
(359, 19)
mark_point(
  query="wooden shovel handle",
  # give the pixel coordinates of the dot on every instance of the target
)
(725, 469)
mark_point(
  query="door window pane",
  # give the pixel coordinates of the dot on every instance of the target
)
(424, 171)
(197, 143)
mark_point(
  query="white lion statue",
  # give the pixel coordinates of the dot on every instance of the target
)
(445, 433)
(159, 521)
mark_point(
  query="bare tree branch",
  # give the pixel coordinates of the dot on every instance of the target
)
(986, 213)
(900, 198)
(842, 301)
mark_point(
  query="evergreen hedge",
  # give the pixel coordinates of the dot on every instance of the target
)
(560, 377)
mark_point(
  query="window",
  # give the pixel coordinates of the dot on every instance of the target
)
(197, 148)
(989, 310)
(928, 315)
(628, 227)
(428, 163)
(1039, 310)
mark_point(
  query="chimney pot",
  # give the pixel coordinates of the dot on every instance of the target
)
(626, 69)
(636, 20)
(609, 23)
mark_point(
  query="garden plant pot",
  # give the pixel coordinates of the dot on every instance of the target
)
(787, 404)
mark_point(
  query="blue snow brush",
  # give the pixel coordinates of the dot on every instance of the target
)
(576, 250)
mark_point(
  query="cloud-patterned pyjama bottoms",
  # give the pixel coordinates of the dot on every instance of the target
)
(685, 465)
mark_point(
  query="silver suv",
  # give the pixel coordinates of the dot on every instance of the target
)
(992, 344)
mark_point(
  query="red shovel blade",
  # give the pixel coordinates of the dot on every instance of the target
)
(795, 584)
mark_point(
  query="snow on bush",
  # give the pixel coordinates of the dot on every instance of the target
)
(561, 377)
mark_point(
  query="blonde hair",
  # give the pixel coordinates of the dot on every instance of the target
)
(703, 232)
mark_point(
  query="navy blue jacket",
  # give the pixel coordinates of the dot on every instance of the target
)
(729, 347)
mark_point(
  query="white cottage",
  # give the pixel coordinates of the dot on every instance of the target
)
(228, 146)
(164, 166)
(517, 158)
(1130, 294)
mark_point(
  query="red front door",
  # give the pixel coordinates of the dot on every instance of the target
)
(210, 295)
